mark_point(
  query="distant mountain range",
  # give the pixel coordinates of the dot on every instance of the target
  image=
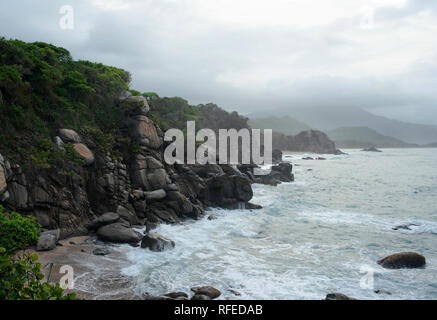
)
(286, 125)
(330, 118)
(344, 137)
(363, 137)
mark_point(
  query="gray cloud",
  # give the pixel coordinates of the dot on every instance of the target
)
(181, 48)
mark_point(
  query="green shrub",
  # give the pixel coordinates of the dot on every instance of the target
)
(17, 231)
(21, 279)
(20, 274)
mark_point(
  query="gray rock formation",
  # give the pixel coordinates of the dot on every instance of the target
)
(119, 232)
(156, 242)
(48, 240)
(403, 260)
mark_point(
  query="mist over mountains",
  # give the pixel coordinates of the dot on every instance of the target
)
(329, 118)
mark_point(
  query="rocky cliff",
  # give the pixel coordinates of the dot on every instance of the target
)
(306, 141)
(138, 186)
(84, 155)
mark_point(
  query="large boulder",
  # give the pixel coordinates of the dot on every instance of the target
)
(276, 156)
(68, 135)
(231, 192)
(127, 215)
(285, 171)
(179, 202)
(86, 154)
(155, 195)
(208, 291)
(157, 179)
(47, 240)
(104, 219)
(338, 296)
(403, 260)
(136, 105)
(119, 232)
(156, 242)
(18, 195)
(144, 131)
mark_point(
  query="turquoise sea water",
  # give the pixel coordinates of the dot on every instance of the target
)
(323, 233)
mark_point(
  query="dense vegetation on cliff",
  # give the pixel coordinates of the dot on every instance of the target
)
(42, 89)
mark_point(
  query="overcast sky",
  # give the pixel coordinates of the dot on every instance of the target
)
(250, 55)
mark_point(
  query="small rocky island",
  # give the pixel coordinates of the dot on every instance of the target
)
(371, 149)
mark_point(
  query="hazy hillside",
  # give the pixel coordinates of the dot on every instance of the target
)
(286, 125)
(361, 137)
(332, 117)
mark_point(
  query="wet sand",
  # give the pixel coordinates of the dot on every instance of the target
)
(95, 277)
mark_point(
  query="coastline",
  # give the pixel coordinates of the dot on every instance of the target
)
(95, 277)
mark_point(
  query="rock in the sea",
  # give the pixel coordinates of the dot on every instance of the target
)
(175, 295)
(47, 240)
(338, 296)
(276, 156)
(118, 232)
(371, 149)
(86, 154)
(101, 251)
(403, 260)
(405, 226)
(104, 219)
(207, 291)
(201, 297)
(285, 171)
(313, 141)
(212, 217)
(68, 135)
(156, 242)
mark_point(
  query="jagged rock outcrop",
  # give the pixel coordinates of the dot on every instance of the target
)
(108, 195)
(281, 172)
(313, 141)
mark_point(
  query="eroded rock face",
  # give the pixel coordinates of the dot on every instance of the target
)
(104, 219)
(403, 260)
(109, 194)
(229, 192)
(144, 130)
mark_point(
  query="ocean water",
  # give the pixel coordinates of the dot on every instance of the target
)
(323, 233)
